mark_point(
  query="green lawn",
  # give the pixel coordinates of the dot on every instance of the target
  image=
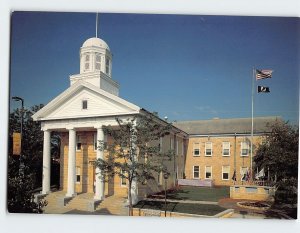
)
(200, 209)
(200, 193)
(195, 193)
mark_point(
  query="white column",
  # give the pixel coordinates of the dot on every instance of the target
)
(99, 187)
(71, 163)
(46, 162)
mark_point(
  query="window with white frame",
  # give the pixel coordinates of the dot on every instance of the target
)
(196, 149)
(196, 172)
(244, 148)
(87, 57)
(208, 172)
(107, 66)
(87, 62)
(97, 62)
(226, 149)
(243, 172)
(225, 172)
(208, 149)
(78, 142)
(78, 175)
(177, 146)
(123, 178)
(84, 104)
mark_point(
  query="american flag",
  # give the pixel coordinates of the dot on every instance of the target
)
(261, 74)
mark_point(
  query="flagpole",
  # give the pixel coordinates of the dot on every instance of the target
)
(234, 158)
(252, 123)
(97, 25)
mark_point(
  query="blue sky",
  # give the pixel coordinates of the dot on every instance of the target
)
(184, 67)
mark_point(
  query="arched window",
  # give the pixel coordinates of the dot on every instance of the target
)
(86, 61)
(107, 66)
(98, 62)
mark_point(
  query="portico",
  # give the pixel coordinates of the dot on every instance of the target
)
(71, 178)
(77, 155)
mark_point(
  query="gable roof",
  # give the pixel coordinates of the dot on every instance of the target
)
(226, 126)
(110, 104)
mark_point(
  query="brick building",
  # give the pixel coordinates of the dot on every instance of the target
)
(219, 147)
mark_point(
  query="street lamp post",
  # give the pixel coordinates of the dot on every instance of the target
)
(21, 166)
(166, 176)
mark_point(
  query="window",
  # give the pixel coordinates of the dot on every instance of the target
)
(84, 104)
(208, 172)
(208, 149)
(226, 148)
(107, 66)
(244, 148)
(98, 62)
(77, 174)
(182, 148)
(78, 142)
(95, 141)
(123, 179)
(87, 62)
(196, 150)
(177, 146)
(171, 143)
(196, 172)
(244, 172)
(225, 172)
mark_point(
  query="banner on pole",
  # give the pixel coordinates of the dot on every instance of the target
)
(263, 89)
(16, 143)
(262, 74)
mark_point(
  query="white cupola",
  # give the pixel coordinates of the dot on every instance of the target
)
(96, 65)
(95, 56)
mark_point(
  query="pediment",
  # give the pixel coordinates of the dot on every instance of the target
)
(99, 103)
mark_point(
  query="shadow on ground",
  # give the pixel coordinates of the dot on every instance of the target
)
(103, 211)
(282, 211)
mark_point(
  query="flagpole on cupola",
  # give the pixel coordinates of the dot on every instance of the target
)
(97, 25)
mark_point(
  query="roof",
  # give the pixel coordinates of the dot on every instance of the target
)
(226, 126)
(43, 114)
(96, 42)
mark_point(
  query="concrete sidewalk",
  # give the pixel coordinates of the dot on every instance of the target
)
(183, 201)
(240, 212)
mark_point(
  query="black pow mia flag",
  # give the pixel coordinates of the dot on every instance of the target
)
(263, 89)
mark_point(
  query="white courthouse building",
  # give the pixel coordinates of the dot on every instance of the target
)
(78, 114)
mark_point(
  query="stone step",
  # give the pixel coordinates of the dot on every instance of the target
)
(110, 205)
